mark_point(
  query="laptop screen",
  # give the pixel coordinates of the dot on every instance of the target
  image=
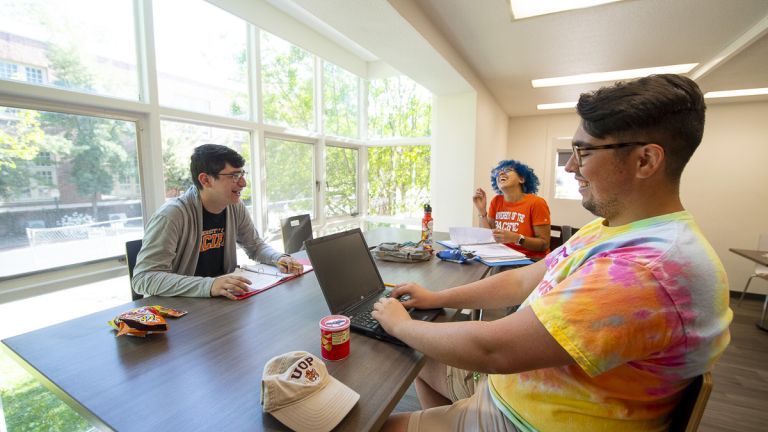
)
(344, 268)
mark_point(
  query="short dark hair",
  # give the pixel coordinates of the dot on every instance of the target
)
(664, 109)
(530, 180)
(212, 158)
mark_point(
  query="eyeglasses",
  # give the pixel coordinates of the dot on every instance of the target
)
(236, 176)
(580, 152)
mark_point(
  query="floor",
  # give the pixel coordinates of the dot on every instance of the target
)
(739, 399)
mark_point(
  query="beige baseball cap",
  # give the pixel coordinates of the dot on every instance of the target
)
(297, 389)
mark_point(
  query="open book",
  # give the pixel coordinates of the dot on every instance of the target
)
(264, 277)
(480, 242)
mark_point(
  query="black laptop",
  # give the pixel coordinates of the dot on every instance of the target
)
(351, 282)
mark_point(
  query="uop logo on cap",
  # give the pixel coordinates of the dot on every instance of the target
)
(297, 389)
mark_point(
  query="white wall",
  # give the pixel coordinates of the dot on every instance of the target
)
(725, 186)
(453, 155)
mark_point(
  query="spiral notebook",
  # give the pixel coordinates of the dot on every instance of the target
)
(264, 277)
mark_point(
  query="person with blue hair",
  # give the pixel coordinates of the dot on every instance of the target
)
(518, 217)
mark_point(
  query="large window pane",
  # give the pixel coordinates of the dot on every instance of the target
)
(201, 58)
(180, 139)
(290, 180)
(287, 76)
(398, 107)
(69, 189)
(566, 186)
(341, 181)
(398, 180)
(340, 99)
(82, 45)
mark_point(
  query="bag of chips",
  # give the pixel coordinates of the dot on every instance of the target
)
(144, 320)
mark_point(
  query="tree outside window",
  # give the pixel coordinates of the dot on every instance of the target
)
(287, 78)
(340, 99)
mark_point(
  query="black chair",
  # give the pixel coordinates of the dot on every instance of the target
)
(296, 230)
(132, 249)
(564, 232)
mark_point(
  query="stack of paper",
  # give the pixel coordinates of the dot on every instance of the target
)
(480, 242)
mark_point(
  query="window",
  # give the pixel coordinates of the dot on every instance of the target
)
(340, 101)
(566, 186)
(201, 58)
(341, 181)
(8, 71)
(61, 40)
(34, 75)
(290, 180)
(90, 152)
(398, 180)
(179, 141)
(398, 107)
(287, 78)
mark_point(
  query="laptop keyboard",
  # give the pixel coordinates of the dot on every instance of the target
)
(364, 319)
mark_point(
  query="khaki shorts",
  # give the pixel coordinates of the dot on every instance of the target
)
(472, 410)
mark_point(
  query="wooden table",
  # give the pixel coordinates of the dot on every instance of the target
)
(760, 257)
(205, 372)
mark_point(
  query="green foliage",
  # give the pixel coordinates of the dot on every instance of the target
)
(290, 178)
(398, 107)
(175, 171)
(68, 69)
(340, 95)
(30, 407)
(341, 181)
(20, 141)
(398, 179)
(287, 74)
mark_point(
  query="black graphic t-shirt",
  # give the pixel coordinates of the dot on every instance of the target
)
(210, 263)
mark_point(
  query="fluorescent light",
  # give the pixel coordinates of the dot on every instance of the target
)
(611, 76)
(528, 8)
(734, 93)
(559, 105)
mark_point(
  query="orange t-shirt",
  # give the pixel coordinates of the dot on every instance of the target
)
(520, 217)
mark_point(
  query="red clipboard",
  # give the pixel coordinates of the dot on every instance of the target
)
(307, 268)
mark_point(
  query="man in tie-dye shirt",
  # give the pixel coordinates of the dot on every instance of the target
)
(615, 323)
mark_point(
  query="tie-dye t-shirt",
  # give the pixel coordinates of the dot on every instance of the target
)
(642, 309)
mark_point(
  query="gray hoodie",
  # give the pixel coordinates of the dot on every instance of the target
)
(167, 261)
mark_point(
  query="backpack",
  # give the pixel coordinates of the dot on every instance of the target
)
(408, 252)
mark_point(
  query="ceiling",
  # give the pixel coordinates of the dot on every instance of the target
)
(452, 45)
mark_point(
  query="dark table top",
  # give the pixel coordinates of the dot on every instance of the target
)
(205, 372)
(760, 257)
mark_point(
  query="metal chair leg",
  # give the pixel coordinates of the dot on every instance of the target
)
(743, 293)
(762, 317)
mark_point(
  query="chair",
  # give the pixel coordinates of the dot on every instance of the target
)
(296, 230)
(761, 271)
(564, 232)
(687, 414)
(132, 249)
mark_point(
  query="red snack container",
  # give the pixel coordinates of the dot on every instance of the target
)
(334, 337)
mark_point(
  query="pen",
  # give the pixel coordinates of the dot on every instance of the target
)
(391, 285)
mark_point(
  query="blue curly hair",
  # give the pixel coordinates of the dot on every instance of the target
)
(530, 181)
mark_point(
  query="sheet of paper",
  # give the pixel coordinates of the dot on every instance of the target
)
(259, 281)
(493, 250)
(470, 235)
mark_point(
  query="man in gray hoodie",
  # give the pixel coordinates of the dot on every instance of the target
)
(189, 244)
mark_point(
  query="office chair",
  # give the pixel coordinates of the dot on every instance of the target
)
(296, 229)
(761, 271)
(687, 414)
(132, 249)
(564, 233)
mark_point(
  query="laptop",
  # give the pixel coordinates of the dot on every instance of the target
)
(351, 282)
(295, 230)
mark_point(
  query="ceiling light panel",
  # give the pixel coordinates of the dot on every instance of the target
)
(529, 8)
(611, 76)
(736, 93)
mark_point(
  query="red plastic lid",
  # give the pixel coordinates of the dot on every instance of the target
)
(334, 323)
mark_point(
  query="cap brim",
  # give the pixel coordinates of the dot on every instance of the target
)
(320, 412)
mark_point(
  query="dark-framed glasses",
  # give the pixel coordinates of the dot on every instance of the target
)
(236, 176)
(581, 151)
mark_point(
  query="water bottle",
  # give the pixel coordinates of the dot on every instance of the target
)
(426, 227)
